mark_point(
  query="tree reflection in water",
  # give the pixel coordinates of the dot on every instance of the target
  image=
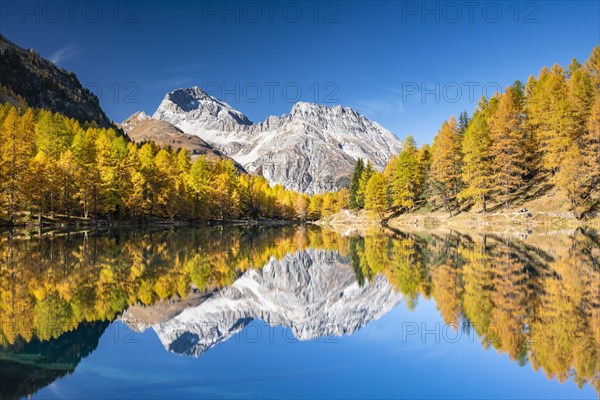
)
(538, 300)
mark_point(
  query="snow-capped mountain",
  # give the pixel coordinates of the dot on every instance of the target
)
(314, 293)
(312, 149)
(193, 111)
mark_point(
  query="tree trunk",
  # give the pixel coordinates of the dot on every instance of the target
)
(11, 198)
(10, 208)
(95, 202)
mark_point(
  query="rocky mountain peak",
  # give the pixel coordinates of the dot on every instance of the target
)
(306, 109)
(133, 120)
(198, 108)
(190, 99)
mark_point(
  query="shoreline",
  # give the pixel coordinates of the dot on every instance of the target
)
(90, 224)
(528, 220)
(347, 221)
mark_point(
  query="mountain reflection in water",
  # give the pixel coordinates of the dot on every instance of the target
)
(536, 300)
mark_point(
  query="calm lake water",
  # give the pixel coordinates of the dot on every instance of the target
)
(299, 312)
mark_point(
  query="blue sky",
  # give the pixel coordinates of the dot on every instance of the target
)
(407, 65)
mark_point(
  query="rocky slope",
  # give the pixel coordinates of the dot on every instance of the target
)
(312, 149)
(193, 110)
(141, 128)
(314, 293)
(27, 77)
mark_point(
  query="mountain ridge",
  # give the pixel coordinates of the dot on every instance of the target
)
(26, 76)
(311, 149)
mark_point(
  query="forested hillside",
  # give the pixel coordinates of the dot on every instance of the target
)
(533, 140)
(26, 79)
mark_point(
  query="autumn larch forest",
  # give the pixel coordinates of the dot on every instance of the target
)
(547, 130)
(54, 168)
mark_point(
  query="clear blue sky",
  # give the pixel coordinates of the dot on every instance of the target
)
(376, 57)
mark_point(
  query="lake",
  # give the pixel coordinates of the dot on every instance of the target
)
(299, 312)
